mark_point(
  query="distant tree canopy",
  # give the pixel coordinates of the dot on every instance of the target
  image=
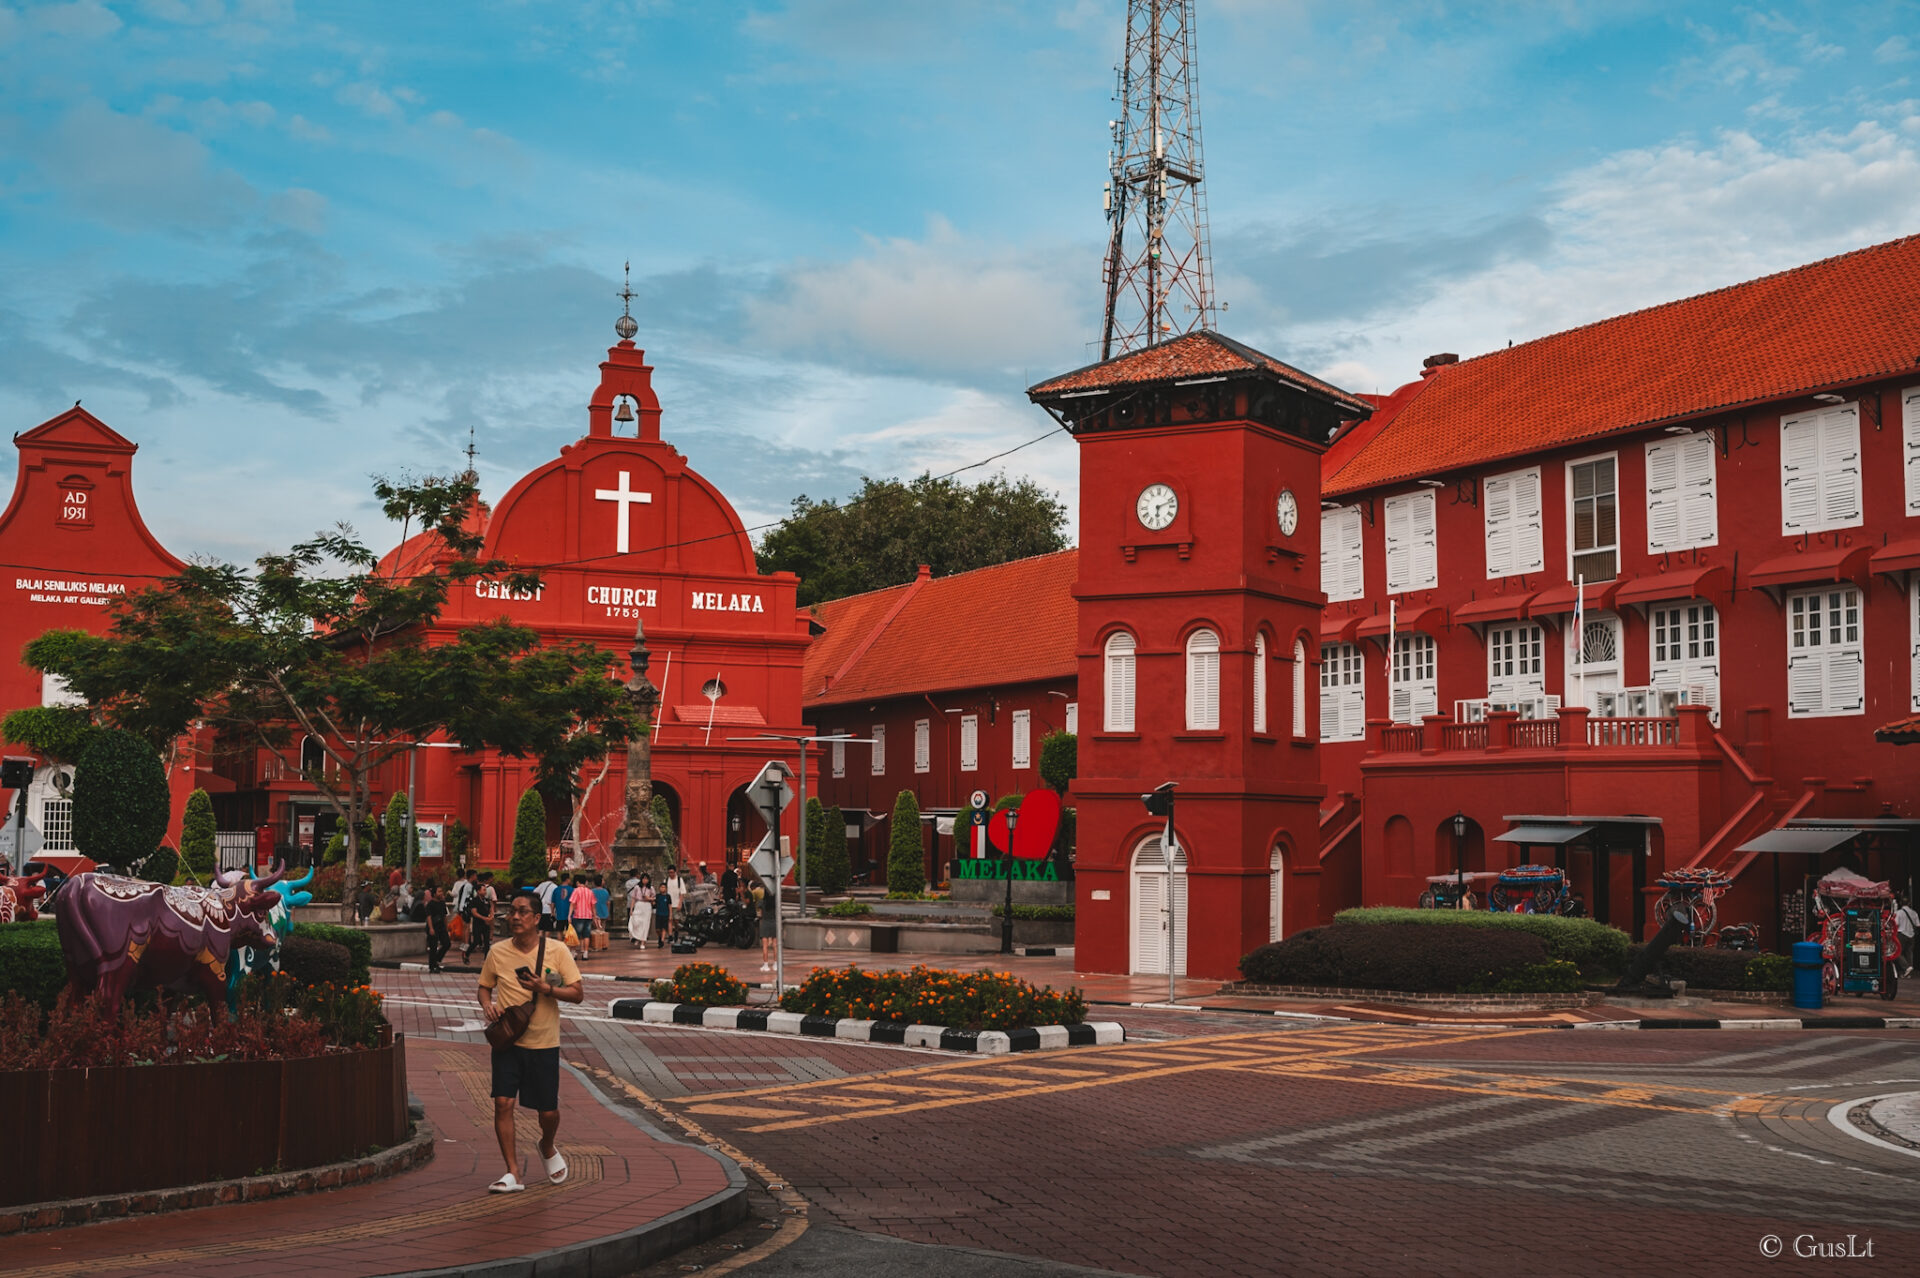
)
(889, 528)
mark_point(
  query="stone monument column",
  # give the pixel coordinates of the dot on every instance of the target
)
(638, 846)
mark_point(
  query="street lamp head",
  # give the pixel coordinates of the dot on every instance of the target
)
(1459, 825)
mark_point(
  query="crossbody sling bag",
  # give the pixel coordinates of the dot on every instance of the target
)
(512, 1022)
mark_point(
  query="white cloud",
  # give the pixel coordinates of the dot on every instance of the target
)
(135, 172)
(82, 20)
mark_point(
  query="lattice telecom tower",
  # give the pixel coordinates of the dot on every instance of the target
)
(1159, 280)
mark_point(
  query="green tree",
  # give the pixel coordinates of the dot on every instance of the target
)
(327, 641)
(882, 534)
(196, 837)
(1059, 760)
(663, 823)
(457, 837)
(906, 862)
(161, 865)
(58, 734)
(336, 850)
(396, 830)
(828, 862)
(120, 802)
(529, 864)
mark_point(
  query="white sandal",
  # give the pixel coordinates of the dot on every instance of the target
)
(507, 1184)
(557, 1168)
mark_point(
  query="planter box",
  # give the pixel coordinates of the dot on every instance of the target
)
(81, 1133)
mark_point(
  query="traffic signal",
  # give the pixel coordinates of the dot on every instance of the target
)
(1159, 801)
(16, 774)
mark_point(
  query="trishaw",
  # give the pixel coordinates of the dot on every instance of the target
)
(1454, 891)
(1530, 889)
(1857, 936)
(1691, 895)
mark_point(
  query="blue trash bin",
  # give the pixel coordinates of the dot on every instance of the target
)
(1809, 969)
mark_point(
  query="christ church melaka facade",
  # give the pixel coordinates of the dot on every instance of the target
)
(72, 542)
(623, 532)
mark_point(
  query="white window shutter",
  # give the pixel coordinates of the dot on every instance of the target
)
(1399, 512)
(1330, 703)
(1353, 710)
(1663, 497)
(970, 743)
(1118, 711)
(1022, 738)
(1846, 681)
(879, 735)
(1529, 542)
(1910, 417)
(1401, 703)
(1800, 502)
(1426, 543)
(1260, 682)
(1203, 681)
(1806, 683)
(1330, 554)
(1300, 687)
(1699, 502)
(839, 758)
(1913, 661)
(922, 745)
(1353, 583)
(1073, 718)
(1840, 466)
(1497, 495)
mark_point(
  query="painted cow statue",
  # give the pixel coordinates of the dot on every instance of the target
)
(18, 895)
(121, 934)
(248, 959)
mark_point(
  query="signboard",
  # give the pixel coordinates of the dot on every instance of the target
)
(977, 817)
(1000, 868)
(771, 794)
(432, 838)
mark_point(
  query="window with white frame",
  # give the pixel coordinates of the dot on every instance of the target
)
(1073, 718)
(1681, 506)
(1260, 681)
(879, 735)
(1514, 541)
(56, 825)
(1686, 652)
(1594, 669)
(969, 743)
(1910, 433)
(1299, 688)
(1023, 738)
(1203, 681)
(922, 745)
(1342, 562)
(1413, 559)
(1118, 710)
(1516, 665)
(1820, 470)
(1593, 523)
(1826, 663)
(1343, 693)
(839, 758)
(55, 691)
(1416, 692)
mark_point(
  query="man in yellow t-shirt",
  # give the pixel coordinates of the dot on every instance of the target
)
(528, 1070)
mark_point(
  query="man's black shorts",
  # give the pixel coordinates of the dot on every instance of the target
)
(530, 1073)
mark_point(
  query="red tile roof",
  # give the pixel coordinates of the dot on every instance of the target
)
(1899, 732)
(1011, 623)
(1198, 354)
(1846, 319)
(420, 552)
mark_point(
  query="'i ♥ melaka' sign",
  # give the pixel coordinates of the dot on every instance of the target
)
(1033, 835)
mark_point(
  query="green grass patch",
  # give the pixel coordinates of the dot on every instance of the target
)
(1595, 948)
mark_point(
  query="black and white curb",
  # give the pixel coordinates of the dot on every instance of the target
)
(847, 1029)
(1756, 1023)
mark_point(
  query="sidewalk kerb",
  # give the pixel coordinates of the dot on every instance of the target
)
(851, 1030)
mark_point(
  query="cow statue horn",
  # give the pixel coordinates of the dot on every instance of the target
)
(278, 872)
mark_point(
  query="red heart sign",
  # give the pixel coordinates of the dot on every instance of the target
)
(1039, 822)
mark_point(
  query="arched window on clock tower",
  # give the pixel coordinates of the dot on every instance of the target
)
(1260, 681)
(1203, 681)
(1117, 710)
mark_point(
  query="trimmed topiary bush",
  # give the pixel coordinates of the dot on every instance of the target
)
(31, 962)
(161, 866)
(906, 863)
(1593, 947)
(196, 837)
(828, 864)
(312, 961)
(396, 830)
(358, 945)
(1059, 760)
(120, 801)
(529, 864)
(1716, 969)
(1397, 956)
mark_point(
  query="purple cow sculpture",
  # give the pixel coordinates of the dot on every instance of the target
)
(120, 935)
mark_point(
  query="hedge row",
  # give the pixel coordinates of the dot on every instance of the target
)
(30, 961)
(1593, 947)
(1406, 956)
(1714, 969)
(358, 945)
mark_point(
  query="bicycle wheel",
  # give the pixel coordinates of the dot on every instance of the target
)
(1830, 978)
(1427, 901)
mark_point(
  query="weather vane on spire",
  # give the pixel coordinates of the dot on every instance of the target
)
(625, 325)
(472, 474)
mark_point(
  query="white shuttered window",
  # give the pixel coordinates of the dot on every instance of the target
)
(839, 758)
(1260, 682)
(922, 745)
(1073, 718)
(1826, 665)
(1514, 542)
(1023, 738)
(1118, 710)
(1910, 428)
(1416, 692)
(1681, 509)
(1299, 688)
(1413, 561)
(1515, 663)
(969, 743)
(879, 735)
(1343, 693)
(1341, 561)
(1686, 652)
(1203, 681)
(1820, 470)
(1913, 656)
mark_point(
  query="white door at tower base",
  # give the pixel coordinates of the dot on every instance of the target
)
(1150, 922)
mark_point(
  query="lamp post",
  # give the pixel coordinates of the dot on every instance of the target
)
(1159, 802)
(1006, 920)
(1459, 860)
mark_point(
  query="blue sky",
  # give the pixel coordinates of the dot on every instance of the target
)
(285, 245)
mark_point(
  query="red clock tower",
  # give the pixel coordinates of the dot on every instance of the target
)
(1199, 604)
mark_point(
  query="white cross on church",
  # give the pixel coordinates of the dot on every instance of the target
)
(626, 497)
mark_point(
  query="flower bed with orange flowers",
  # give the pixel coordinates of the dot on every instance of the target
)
(981, 1000)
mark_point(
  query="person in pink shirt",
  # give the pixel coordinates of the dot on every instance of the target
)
(583, 907)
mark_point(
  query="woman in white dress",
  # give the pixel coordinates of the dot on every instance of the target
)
(640, 910)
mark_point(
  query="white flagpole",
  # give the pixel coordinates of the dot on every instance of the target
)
(1393, 625)
(1576, 642)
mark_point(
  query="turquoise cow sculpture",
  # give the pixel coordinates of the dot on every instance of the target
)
(247, 958)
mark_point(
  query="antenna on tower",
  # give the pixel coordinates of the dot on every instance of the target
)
(625, 325)
(1157, 272)
(473, 475)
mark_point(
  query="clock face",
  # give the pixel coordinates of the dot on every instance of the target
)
(1156, 507)
(1288, 509)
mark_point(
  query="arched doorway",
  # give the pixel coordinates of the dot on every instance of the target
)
(662, 790)
(1464, 848)
(1276, 893)
(1154, 884)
